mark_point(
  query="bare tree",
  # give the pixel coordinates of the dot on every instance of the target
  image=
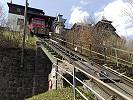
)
(128, 11)
(91, 19)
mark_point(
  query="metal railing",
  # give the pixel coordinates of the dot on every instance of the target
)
(73, 84)
(95, 94)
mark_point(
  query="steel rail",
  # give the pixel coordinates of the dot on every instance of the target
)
(116, 92)
(77, 54)
(127, 81)
(116, 84)
(111, 80)
(123, 97)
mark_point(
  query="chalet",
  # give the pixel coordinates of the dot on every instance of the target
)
(105, 26)
(16, 16)
(102, 33)
(80, 34)
(106, 31)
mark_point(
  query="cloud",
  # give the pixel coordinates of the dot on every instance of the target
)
(84, 2)
(78, 15)
(114, 12)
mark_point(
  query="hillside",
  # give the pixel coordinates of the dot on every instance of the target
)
(16, 81)
(12, 76)
(60, 94)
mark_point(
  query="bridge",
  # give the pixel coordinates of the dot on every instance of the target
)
(85, 73)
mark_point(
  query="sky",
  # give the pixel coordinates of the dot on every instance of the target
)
(81, 10)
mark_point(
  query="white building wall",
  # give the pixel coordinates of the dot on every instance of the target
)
(59, 24)
(58, 29)
(13, 20)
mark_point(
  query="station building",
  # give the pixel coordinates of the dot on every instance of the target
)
(16, 16)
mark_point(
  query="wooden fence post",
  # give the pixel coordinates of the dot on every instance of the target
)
(90, 51)
(105, 58)
(116, 56)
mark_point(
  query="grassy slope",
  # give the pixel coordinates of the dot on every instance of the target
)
(14, 40)
(60, 94)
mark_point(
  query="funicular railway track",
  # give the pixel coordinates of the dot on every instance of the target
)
(118, 76)
(112, 61)
(83, 63)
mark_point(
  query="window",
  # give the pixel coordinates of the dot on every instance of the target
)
(34, 21)
(37, 21)
(18, 10)
(43, 22)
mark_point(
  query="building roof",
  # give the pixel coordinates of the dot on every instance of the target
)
(32, 15)
(32, 12)
(101, 24)
(80, 25)
(104, 19)
(13, 9)
(105, 24)
(11, 4)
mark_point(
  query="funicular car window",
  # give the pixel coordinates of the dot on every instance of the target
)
(43, 22)
(34, 21)
(38, 21)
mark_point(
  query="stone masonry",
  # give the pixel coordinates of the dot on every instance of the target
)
(20, 83)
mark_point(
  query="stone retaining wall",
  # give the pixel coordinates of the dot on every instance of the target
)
(18, 83)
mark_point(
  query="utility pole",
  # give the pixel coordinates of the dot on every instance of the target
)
(24, 34)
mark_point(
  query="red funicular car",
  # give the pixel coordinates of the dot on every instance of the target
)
(39, 27)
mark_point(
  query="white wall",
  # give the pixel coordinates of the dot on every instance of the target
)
(59, 29)
(59, 24)
(12, 21)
